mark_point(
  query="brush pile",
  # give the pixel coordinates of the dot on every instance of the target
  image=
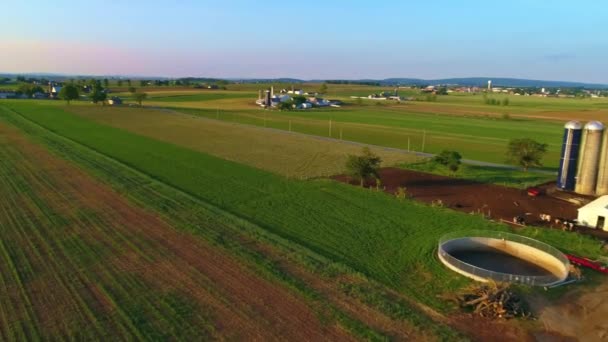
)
(493, 300)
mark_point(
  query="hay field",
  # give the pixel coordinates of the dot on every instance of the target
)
(290, 155)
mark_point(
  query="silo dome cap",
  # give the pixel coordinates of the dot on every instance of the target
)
(573, 125)
(594, 126)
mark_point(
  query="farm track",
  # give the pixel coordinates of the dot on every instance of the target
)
(129, 253)
(188, 213)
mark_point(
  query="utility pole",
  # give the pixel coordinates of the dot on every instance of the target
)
(423, 140)
(340, 133)
(330, 128)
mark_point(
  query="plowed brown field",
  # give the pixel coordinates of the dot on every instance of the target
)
(80, 261)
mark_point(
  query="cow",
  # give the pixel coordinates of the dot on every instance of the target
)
(519, 220)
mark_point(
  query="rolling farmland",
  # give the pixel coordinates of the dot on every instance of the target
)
(476, 138)
(214, 225)
(83, 263)
(350, 262)
(459, 121)
(290, 155)
(322, 215)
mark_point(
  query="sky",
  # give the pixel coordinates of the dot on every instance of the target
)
(340, 39)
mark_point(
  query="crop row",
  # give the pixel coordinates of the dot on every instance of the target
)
(388, 240)
(213, 223)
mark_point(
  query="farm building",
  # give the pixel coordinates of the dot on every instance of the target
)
(305, 105)
(7, 94)
(594, 214)
(54, 90)
(115, 101)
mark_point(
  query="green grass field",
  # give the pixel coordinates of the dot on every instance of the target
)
(390, 241)
(202, 219)
(290, 155)
(286, 154)
(202, 97)
(484, 174)
(482, 139)
(456, 121)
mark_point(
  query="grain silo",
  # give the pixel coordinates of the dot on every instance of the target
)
(590, 157)
(602, 174)
(566, 177)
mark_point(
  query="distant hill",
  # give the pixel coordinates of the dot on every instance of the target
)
(267, 80)
(463, 81)
(496, 81)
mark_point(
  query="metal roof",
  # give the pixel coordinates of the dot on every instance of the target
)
(599, 203)
(573, 125)
(594, 126)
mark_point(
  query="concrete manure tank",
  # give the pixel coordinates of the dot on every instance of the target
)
(503, 257)
(602, 174)
(589, 158)
(568, 164)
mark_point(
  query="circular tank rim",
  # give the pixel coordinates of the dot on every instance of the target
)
(594, 126)
(573, 125)
(514, 238)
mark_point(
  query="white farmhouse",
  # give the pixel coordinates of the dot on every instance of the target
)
(594, 214)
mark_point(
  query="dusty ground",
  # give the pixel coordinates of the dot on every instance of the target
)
(495, 201)
(578, 316)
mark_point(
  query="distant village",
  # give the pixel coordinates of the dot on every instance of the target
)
(516, 91)
(51, 91)
(293, 99)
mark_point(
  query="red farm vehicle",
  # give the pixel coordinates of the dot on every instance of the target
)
(584, 262)
(533, 192)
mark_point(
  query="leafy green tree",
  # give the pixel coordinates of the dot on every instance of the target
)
(449, 159)
(287, 105)
(29, 89)
(442, 91)
(298, 100)
(132, 90)
(106, 83)
(363, 166)
(119, 83)
(526, 152)
(98, 94)
(143, 83)
(323, 88)
(129, 83)
(505, 101)
(69, 92)
(140, 97)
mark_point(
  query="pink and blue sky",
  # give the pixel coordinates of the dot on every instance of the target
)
(551, 40)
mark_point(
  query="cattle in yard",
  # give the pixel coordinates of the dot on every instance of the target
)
(519, 220)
